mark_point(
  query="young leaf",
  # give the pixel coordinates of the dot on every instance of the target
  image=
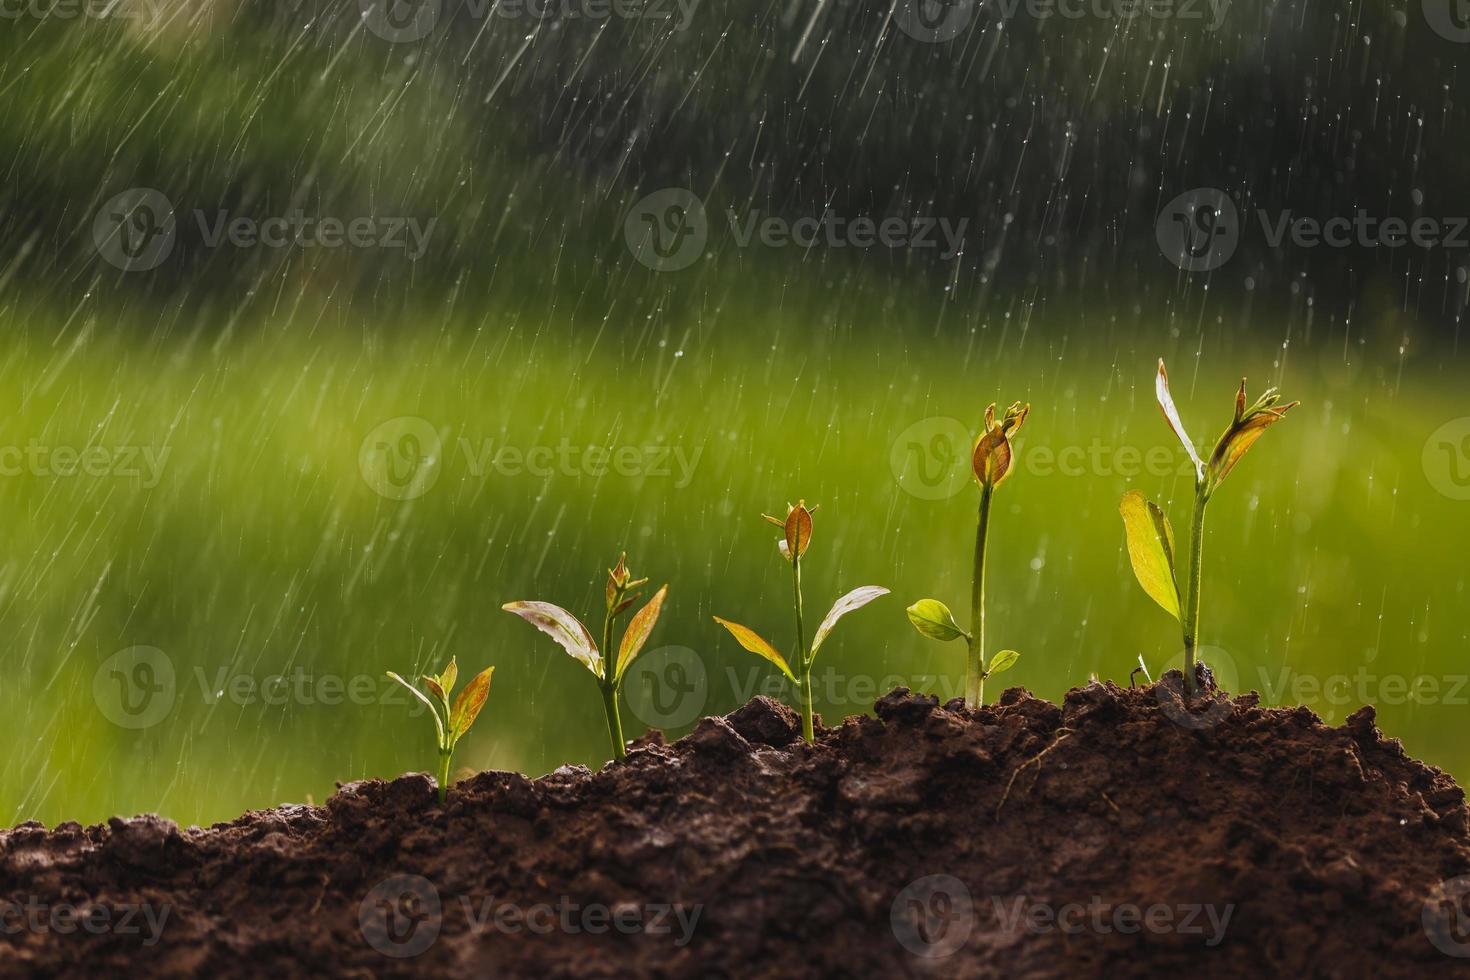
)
(438, 724)
(856, 599)
(639, 629)
(467, 706)
(798, 530)
(991, 459)
(1151, 550)
(933, 618)
(1171, 415)
(432, 683)
(566, 629)
(448, 676)
(1002, 661)
(1241, 436)
(751, 640)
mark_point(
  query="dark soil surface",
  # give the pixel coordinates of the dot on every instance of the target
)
(1112, 836)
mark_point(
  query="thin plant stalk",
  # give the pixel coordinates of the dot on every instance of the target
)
(804, 661)
(1192, 596)
(445, 753)
(975, 687)
(610, 691)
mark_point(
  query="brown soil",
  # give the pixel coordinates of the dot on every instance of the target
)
(740, 851)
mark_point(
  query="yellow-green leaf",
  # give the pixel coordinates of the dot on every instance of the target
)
(639, 629)
(1002, 661)
(751, 640)
(1151, 550)
(933, 619)
(449, 676)
(467, 706)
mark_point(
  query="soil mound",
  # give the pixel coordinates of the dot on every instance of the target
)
(1117, 834)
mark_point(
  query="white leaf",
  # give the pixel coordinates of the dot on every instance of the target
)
(855, 599)
(562, 627)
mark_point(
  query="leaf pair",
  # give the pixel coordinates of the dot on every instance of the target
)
(569, 633)
(933, 619)
(1248, 426)
(451, 721)
(752, 641)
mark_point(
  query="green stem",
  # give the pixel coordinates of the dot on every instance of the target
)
(610, 686)
(975, 679)
(1191, 603)
(804, 662)
(444, 756)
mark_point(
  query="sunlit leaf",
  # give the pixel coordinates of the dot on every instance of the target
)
(1151, 550)
(1001, 662)
(467, 706)
(435, 688)
(856, 599)
(1240, 437)
(448, 676)
(933, 618)
(639, 629)
(438, 724)
(751, 640)
(798, 530)
(563, 627)
(1171, 415)
(991, 460)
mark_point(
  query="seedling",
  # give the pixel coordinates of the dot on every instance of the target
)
(576, 639)
(450, 723)
(1151, 537)
(990, 460)
(796, 538)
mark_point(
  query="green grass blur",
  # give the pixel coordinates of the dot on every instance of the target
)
(259, 543)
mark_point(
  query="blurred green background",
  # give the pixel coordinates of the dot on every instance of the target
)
(246, 465)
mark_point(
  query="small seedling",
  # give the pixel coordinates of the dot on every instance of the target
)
(796, 537)
(1151, 537)
(450, 722)
(990, 461)
(568, 631)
